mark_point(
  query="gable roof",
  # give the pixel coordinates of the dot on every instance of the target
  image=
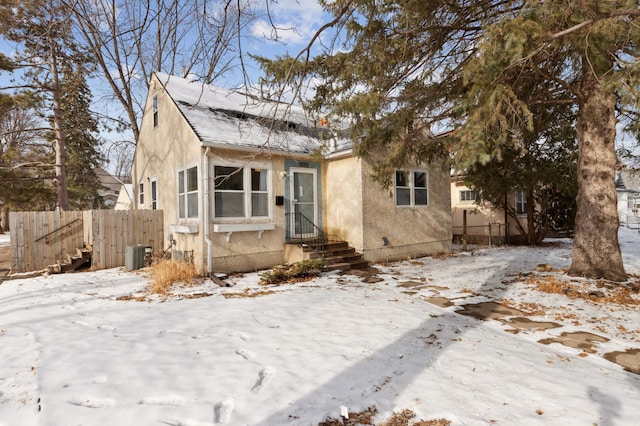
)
(229, 119)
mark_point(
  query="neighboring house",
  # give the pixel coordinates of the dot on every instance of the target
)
(628, 191)
(125, 197)
(111, 187)
(238, 186)
(482, 222)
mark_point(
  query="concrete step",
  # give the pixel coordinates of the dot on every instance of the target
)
(337, 255)
(331, 245)
(345, 266)
(343, 259)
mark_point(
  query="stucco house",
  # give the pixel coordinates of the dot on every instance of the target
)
(244, 182)
(481, 222)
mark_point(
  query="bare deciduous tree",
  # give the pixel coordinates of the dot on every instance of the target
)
(132, 39)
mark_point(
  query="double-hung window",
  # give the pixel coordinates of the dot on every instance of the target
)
(241, 192)
(188, 193)
(141, 194)
(412, 188)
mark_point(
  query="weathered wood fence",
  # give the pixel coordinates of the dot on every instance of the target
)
(40, 239)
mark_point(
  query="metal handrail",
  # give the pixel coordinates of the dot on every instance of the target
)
(310, 235)
(56, 230)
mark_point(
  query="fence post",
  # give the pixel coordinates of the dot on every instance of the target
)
(464, 230)
(489, 234)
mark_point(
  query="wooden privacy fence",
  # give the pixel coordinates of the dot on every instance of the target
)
(40, 239)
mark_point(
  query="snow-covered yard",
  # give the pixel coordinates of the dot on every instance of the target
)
(78, 349)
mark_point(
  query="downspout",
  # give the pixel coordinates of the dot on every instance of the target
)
(207, 240)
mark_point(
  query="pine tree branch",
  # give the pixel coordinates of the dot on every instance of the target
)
(32, 164)
(614, 14)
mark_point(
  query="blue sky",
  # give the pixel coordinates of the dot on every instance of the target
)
(294, 24)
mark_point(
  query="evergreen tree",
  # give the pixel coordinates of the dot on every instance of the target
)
(82, 154)
(48, 54)
(541, 163)
(456, 66)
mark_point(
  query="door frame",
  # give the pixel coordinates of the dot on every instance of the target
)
(291, 165)
(292, 201)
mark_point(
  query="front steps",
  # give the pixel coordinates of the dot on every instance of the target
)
(337, 255)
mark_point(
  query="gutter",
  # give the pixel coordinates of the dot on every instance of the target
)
(339, 154)
(205, 214)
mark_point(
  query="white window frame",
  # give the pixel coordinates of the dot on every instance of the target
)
(153, 193)
(186, 194)
(141, 194)
(247, 192)
(520, 202)
(465, 195)
(411, 187)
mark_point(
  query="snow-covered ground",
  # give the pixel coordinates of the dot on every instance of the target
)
(78, 349)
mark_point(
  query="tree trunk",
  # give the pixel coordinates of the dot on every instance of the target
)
(58, 144)
(596, 251)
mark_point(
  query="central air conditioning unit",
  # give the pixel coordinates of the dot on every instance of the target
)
(135, 257)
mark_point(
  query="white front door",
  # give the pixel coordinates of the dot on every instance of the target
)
(304, 201)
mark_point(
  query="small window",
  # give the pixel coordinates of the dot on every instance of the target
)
(521, 202)
(141, 194)
(468, 195)
(412, 188)
(155, 110)
(188, 193)
(154, 194)
(241, 192)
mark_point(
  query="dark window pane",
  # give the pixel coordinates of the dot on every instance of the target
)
(180, 182)
(420, 179)
(402, 178)
(229, 178)
(421, 197)
(258, 179)
(154, 195)
(403, 197)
